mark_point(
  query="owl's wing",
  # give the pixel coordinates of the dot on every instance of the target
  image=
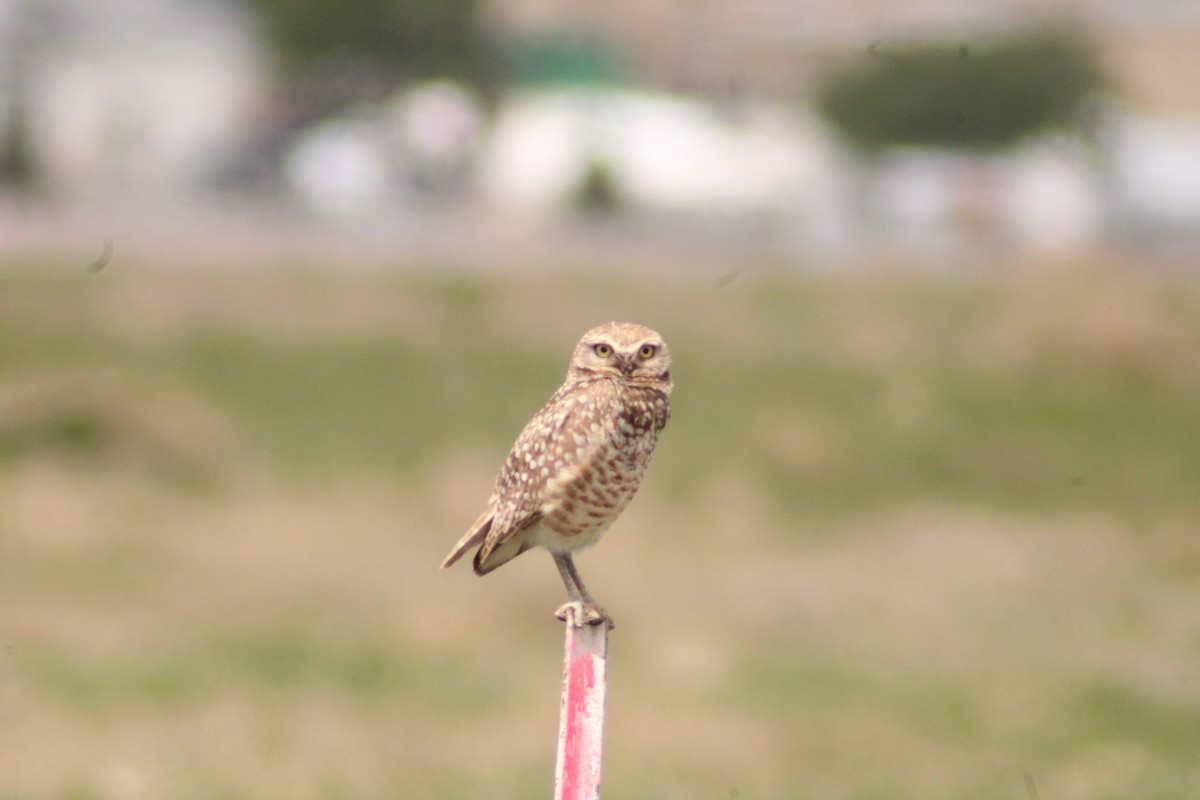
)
(557, 446)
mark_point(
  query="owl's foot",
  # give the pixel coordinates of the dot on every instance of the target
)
(577, 613)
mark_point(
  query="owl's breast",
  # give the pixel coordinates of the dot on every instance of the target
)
(581, 508)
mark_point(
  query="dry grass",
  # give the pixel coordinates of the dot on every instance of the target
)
(905, 538)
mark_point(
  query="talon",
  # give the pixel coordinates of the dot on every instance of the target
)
(572, 613)
(597, 616)
(579, 614)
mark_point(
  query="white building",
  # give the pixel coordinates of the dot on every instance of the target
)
(144, 97)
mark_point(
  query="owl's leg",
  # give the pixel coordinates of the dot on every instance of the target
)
(580, 609)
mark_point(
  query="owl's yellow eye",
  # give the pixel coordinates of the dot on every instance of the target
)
(602, 350)
(647, 351)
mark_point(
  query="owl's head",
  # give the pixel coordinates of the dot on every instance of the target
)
(626, 351)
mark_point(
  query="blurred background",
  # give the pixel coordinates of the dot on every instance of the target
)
(281, 280)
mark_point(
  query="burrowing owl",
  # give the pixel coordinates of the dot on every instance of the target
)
(579, 461)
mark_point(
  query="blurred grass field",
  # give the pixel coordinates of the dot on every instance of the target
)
(906, 536)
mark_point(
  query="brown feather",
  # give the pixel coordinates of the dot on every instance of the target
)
(473, 536)
(497, 556)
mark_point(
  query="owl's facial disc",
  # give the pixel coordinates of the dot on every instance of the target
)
(626, 351)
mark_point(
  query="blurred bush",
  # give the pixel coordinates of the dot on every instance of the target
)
(408, 39)
(950, 94)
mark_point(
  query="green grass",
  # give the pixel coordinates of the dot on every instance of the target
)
(905, 537)
(887, 387)
(275, 661)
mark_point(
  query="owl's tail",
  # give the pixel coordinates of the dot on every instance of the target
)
(488, 558)
(473, 537)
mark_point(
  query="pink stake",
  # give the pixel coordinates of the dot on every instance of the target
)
(581, 718)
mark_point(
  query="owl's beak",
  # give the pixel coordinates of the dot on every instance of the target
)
(626, 365)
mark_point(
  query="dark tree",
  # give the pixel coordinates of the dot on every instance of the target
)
(406, 39)
(954, 95)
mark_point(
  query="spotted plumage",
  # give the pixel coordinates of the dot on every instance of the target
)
(579, 461)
